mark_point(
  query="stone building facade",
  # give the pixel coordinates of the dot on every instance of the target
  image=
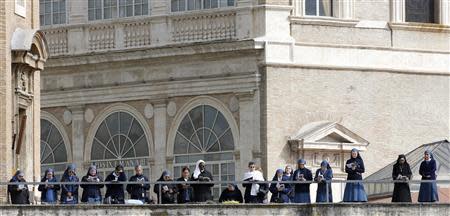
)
(23, 53)
(164, 83)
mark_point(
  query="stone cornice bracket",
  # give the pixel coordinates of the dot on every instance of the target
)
(77, 109)
(245, 96)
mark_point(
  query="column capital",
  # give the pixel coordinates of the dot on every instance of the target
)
(77, 109)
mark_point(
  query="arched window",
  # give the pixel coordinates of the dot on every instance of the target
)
(53, 148)
(120, 139)
(205, 134)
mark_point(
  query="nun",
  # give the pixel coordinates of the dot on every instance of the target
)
(354, 167)
(231, 193)
(401, 172)
(165, 192)
(202, 192)
(49, 192)
(280, 191)
(252, 189)
(185, 194)
(115, 190)
(69, 192)
(139, 191)
(19, 192)
(91, 192)
(301, 175)
(323, 177)
(428, 190)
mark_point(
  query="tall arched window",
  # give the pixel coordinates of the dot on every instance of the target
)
(53, 149)
(120, 139)
(205, 134)
(419, 11)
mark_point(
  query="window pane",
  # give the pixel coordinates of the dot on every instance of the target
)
(420, 11)
(174, 5)
(311, 7)
(214, 4)
(325, 7)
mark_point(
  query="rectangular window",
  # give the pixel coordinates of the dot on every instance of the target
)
(109, 9)
(319, 7)
(20, 8)
(95, 9)
(183, 5)
(52, 12)
(420, 11)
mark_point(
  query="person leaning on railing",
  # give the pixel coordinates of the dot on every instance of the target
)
(114, 191)
(302, 194)
(69, 192)
(428, 190)
(185, 193)
(401, 172)
(253, 189)
(139, 191)
(91, 192)
(19, 192)
(165, 191)
(354, 167)
(323, 177)
(280, 191)
(202, 192)
(49, 192)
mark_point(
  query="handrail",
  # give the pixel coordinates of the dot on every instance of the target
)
(225, 182)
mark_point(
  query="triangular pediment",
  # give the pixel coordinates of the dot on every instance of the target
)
(334, 137)
(333, 134)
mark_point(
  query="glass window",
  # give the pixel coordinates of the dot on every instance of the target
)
(319, 7)
(205, 134)
(53, 149)
(109, 9)
(119, 136)
(52, 12)
(420, 11)
(120, 139)
(183, 5)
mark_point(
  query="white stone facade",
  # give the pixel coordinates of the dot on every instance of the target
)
(265, 65)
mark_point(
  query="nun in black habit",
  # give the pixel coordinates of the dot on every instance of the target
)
(401, 172)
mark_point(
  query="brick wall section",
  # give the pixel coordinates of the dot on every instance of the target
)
(394, 112)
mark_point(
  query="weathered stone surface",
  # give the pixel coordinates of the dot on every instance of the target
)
(349, 209)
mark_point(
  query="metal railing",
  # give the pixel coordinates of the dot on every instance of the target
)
(152, 184)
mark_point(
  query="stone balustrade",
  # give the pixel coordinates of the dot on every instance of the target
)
(141, 32)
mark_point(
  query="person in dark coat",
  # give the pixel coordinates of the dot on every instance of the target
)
(185, 193)
(323, 177)
(114, 191)
(168, 191)
(91, 192)
(69, 192)
(202, 192)
(302, 174)
(231, 193)
(428, 190)
(254, 192)
(49, 192)
(19, 192)
(401, 172)
(354, 167)
(280, 191)
(289, 173)
(139, 191)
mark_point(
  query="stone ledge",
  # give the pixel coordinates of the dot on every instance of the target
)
(348, 209)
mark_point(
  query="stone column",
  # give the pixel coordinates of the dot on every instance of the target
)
(159, 154)
(249, 130)
(398, 11)
(444, 14)
(78, 137)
